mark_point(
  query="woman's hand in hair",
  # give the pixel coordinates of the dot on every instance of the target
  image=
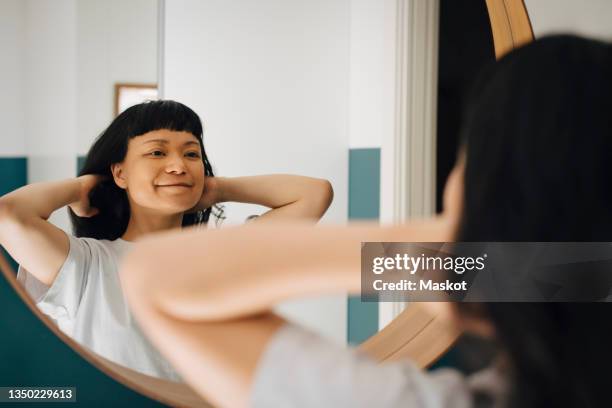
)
(211, 194)
(82, 207)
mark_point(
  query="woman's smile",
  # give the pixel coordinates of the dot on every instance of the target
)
(175, 185)
(179, 188)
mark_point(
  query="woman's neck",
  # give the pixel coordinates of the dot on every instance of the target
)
(143, 222)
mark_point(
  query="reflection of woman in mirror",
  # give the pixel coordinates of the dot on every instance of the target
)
(535, 166)
(147, 172)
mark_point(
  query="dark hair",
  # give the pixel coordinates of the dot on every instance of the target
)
(111, 147)
(537, 134)
(538, 142)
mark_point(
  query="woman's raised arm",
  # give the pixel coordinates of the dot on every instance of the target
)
(36, 244)
(288, 196)
(232, 272)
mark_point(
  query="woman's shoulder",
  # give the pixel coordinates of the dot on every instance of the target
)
(94, 247)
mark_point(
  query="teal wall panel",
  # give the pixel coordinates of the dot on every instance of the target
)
(80, 163)
(364, 184)
(13, 173)
(364, 204)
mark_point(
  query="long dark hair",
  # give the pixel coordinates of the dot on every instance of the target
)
(538, 138)
(111, 147)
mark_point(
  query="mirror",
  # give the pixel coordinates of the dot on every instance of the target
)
(284, 115)
(282, 87)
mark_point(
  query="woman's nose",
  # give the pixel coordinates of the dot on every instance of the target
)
(175, 164)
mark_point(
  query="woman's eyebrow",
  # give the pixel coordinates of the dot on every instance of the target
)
(164, 141)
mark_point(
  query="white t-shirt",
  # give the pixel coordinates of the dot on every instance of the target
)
(87, 303)
(301, 369)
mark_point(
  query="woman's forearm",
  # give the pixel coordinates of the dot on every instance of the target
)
(42, 199)
(239, 271)
(287, 195)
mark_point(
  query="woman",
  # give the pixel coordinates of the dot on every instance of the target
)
(535, 166)
(147, 172)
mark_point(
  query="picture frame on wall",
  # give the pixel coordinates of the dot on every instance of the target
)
(130, 94)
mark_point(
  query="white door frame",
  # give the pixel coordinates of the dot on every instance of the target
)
(408, 152)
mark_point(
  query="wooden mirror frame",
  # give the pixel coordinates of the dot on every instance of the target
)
(415, 334)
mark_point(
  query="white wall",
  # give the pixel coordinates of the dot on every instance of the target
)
(116, 42)
(589, 18)
(270, 80)
(49, 88)
(367, 73)
(12, 38)
(50, 92)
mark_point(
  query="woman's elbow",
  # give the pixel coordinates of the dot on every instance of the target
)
(324, 195)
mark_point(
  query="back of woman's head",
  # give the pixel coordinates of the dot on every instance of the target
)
(111, 147)
(538, 141)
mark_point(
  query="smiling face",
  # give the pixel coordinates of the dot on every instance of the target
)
(163, 171)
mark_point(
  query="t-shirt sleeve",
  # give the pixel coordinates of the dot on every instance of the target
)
(301, 369)
(61, 300)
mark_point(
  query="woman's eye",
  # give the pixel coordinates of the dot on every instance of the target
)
(193, 154)
(156, 153)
